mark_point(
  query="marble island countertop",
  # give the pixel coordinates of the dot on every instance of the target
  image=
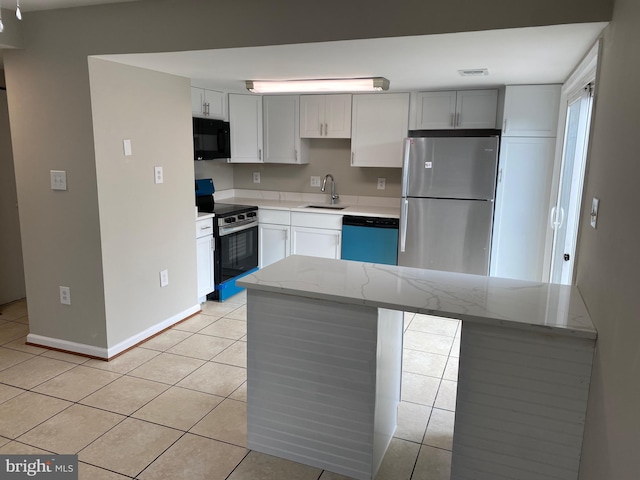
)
(540, 307)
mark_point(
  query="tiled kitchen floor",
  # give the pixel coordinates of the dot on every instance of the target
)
(174, 407)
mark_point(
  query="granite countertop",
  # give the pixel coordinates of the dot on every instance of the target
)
(539, 307)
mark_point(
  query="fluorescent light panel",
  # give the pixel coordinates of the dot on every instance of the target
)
(326, 85)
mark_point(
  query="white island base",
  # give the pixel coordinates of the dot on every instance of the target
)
(324, 365)
(323, 381)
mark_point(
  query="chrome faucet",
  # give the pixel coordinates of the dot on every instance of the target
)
(334, 197)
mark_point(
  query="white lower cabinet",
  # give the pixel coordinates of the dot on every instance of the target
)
(522, 206)
(274, 232)
(282, 233)
(316, 234)
(316, 242)
(205, 246)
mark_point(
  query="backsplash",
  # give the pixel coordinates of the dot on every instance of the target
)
(326, 156)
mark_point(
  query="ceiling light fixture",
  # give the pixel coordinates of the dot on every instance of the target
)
(18, 12)
(373, 84)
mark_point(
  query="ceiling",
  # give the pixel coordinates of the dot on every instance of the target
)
(512, 56)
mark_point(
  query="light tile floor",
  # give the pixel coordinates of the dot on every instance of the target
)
(175, 407)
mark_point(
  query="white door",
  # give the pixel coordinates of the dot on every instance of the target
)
(436, 110)
(245, 116)
(204, 254)
(337, 116)
(565, 214)
(273, 243)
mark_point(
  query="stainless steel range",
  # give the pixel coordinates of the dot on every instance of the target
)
(236, 253)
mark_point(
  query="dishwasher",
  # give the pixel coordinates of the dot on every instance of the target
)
(370, 239)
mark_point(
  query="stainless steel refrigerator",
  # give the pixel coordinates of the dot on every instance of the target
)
(448, 190)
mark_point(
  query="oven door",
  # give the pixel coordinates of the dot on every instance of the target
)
(238, 251)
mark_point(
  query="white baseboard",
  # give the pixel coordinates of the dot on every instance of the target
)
(106, 353)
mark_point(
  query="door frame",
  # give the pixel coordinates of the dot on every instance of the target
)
(587, 71)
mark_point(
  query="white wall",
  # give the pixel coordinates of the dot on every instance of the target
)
(608, 270)
(145, 227)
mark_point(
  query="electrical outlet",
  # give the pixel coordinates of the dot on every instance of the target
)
(256, 177)
(315, 181)
(126, 144)
(158, 175)
(65, 295)
(382, 183)
(58, 180)
(164, 278)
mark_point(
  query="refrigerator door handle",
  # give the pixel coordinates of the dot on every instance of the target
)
(405, 166)
(403, 224)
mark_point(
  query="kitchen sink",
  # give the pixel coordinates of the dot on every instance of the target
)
(330, 207)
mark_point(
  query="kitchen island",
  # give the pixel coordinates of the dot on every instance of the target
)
(324, 366)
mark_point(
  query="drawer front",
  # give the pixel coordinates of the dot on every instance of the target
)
(278, 217)
(316, 220)
(204, 227)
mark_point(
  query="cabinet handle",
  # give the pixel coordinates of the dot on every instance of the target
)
(458, 119)
(206, 108)
(259, 154)
(504, 126)
(205, 228)
(353, 154)
(321, 129)
(295, 154)
(453, 120)
(500, 176)
(326, 129)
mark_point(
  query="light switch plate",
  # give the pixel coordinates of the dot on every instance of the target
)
(158, 175)
(127, 147)
(382, 183)
(58, 180)
(164, 278)
(594, 211)
(256, 177)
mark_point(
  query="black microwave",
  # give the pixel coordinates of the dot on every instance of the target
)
(211, 139)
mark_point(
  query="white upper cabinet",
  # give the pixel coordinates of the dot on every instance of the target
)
(281, 117)
(208, 103)
(325, 116)
(245, 118)
(379, 127)
(456, 109)
(531, 110)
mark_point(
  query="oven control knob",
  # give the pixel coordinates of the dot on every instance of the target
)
(251, 214)
(229, 220)
(240, 217)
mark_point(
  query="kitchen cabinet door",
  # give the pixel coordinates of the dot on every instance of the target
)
(531, 110)
(316, 242)
(522, 206)
(325, 116)
(273, 243)
(436, 110)
(476, 108)
(204, 254)
(245, 117)
(380, 125)
(281, 117)
(456, 109)
(208, 103)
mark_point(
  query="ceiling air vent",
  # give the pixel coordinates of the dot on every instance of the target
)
(474, 72)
